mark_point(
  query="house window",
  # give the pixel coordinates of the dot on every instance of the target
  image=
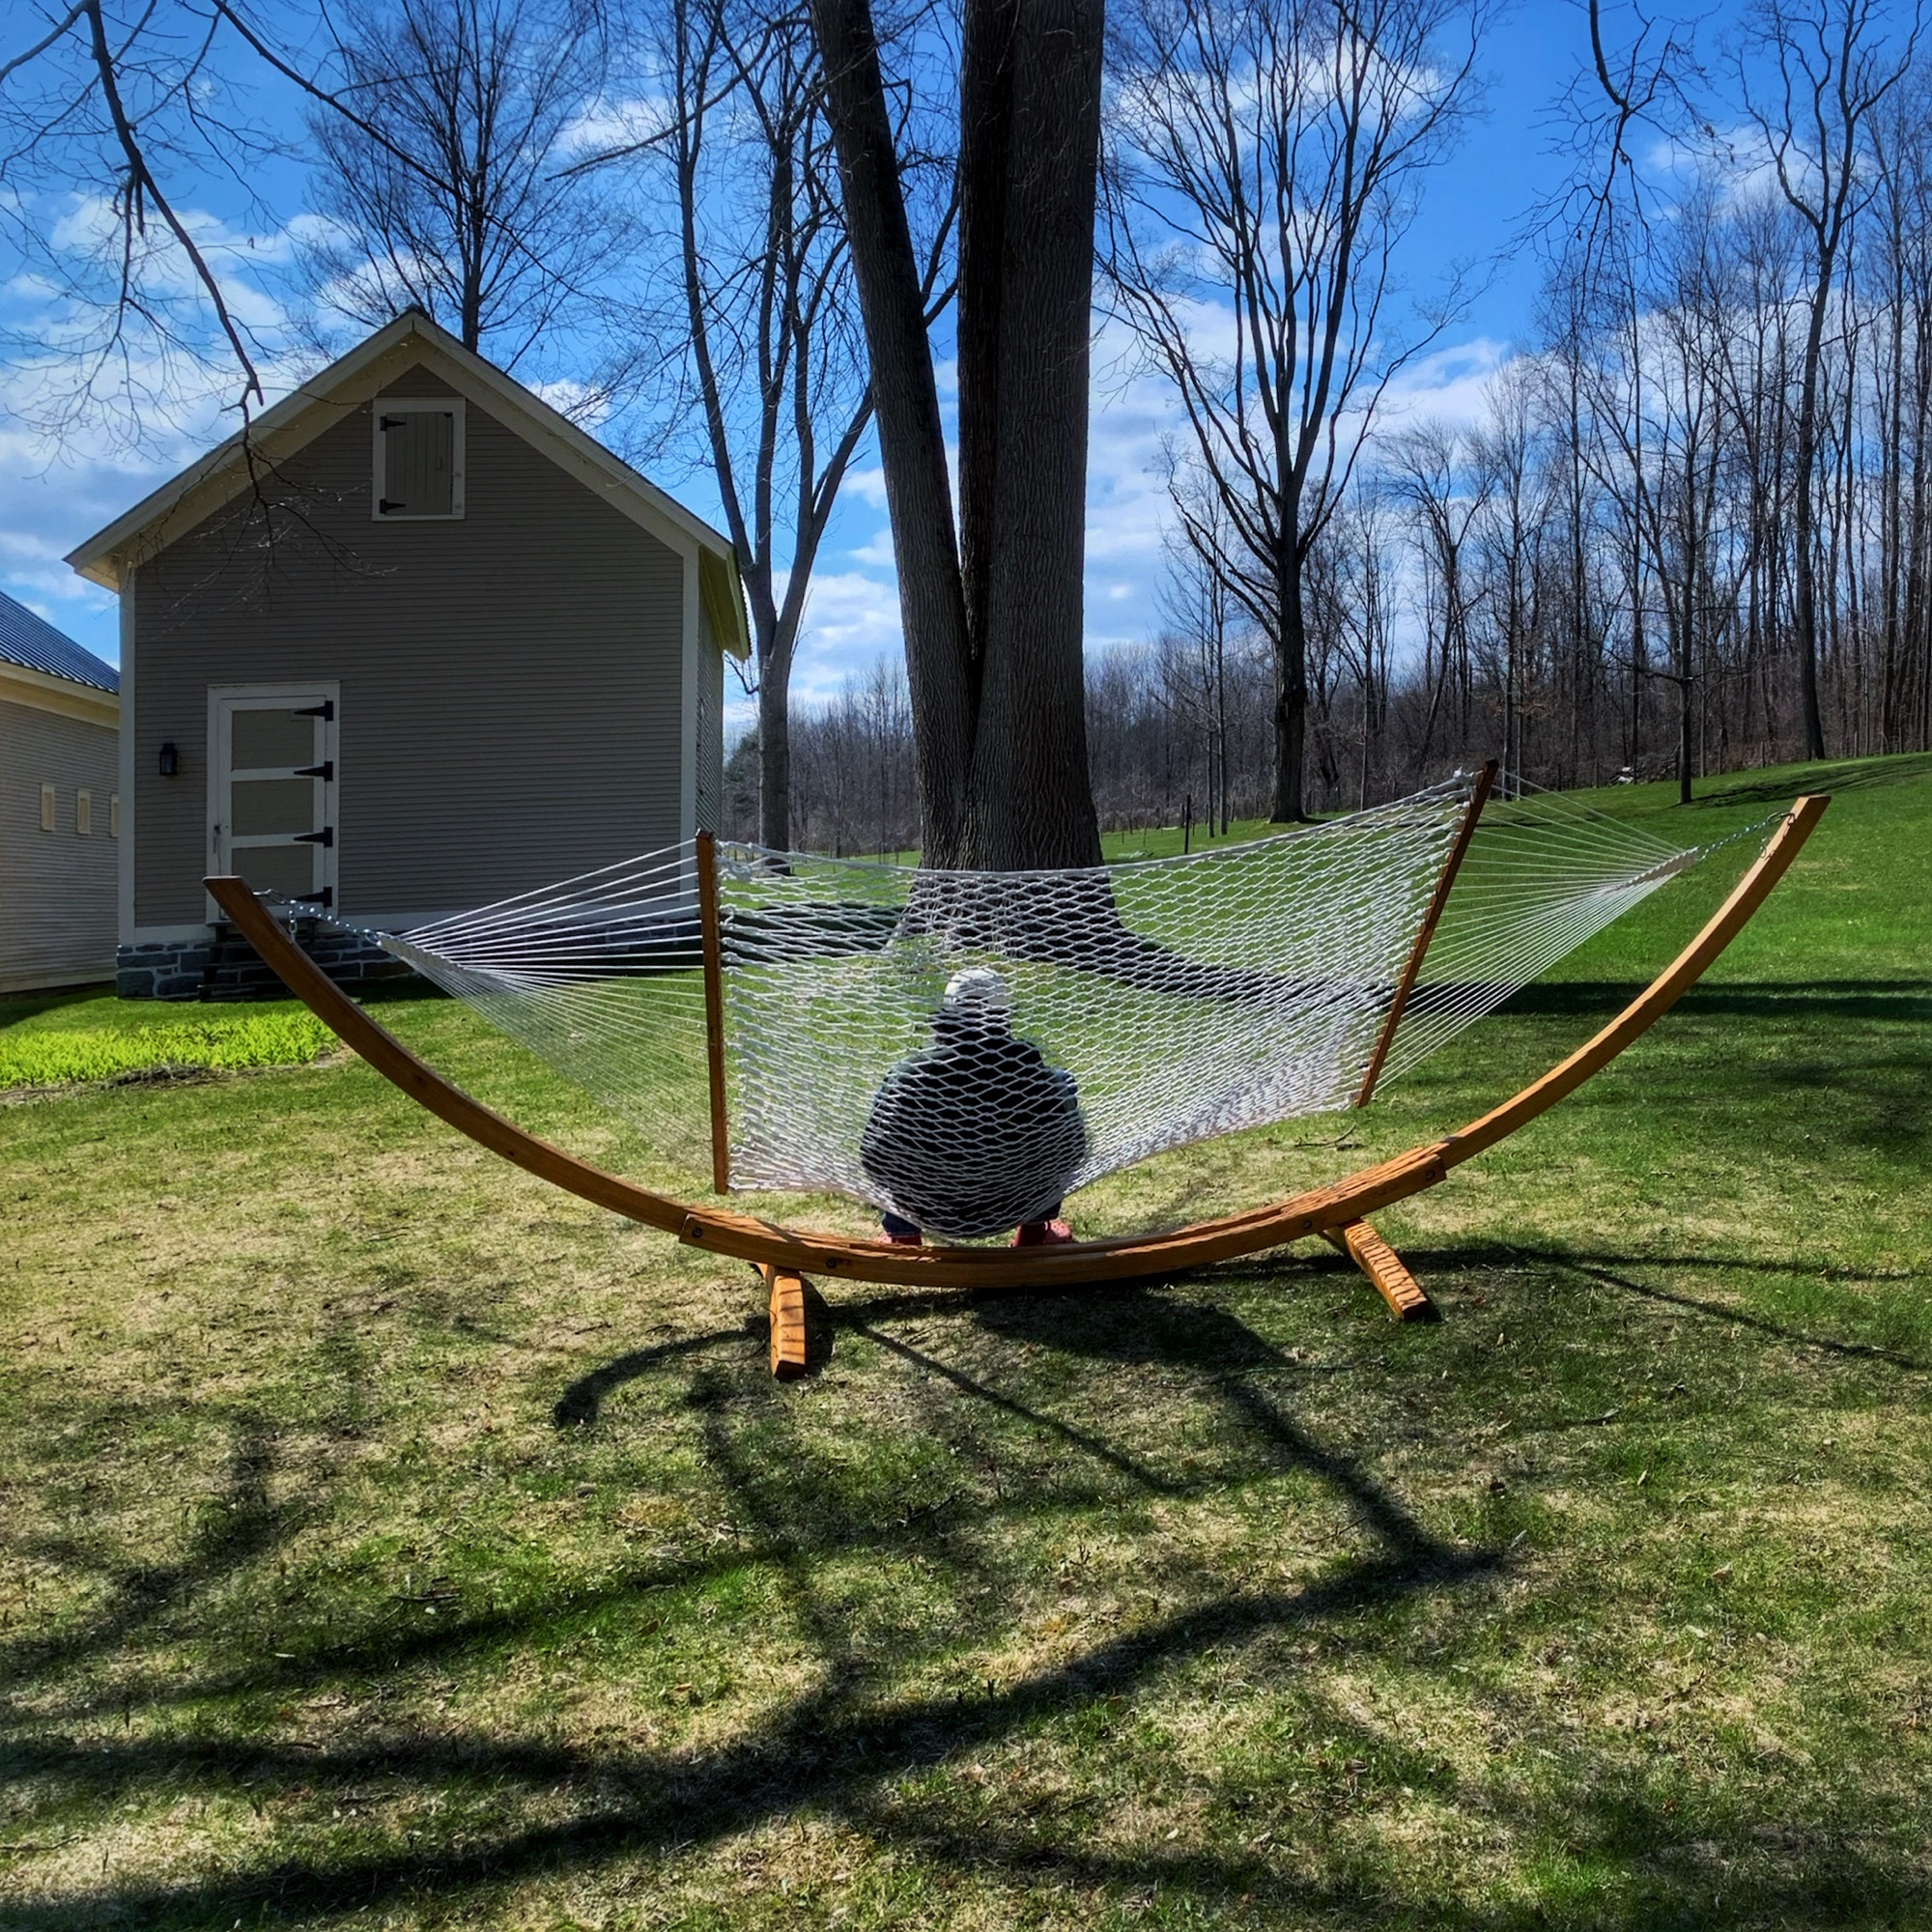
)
(114, 814)
(419, 465)
(83, 813)
(46, 807)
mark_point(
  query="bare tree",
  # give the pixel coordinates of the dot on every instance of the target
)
(1902, 155)
(112, 106)
(772, 352)
(1199, 615)
(1512, 529)
(446, 185)
(1833, 73)
(1426, 472)
(992, 611)
(1265, 166)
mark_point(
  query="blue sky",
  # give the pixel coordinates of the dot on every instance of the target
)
(55, 493)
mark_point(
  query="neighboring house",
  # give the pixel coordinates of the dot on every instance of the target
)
(60, 809)
(418, 643)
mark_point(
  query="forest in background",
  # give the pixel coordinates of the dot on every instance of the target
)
(1686, 531)
(1714, 449)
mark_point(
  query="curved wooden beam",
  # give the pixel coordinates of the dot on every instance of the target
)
(1314, 1211)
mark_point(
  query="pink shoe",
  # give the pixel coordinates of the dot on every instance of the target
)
(1042, 1235)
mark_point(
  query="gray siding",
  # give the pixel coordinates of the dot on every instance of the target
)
(57, 889)
(510, 682)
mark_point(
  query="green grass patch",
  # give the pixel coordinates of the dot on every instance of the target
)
(389, 1539)
(55, 1040)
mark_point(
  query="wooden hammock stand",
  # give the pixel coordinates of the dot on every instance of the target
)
(1337, 1211)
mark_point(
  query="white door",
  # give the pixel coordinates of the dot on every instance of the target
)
(271, 789)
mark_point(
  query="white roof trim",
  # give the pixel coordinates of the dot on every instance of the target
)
(278, 433)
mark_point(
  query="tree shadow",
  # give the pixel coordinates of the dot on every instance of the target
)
(839, 1746)
(235, 1529)
(1902, 1000)
(1609, 1270)
(1851, 775)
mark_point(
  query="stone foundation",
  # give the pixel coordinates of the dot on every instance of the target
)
(224, 966)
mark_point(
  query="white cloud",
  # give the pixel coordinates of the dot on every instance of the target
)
(1450, 384)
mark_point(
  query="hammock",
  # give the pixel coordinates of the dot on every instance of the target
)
(755, 1000)
(1124, 1011)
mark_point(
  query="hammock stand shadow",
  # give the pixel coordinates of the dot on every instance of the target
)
(786, 1257)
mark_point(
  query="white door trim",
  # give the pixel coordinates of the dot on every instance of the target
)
(307, 690)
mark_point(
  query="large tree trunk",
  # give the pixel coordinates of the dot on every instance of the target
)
(775, 750)
(1029, 144)
(993, 648)
(1291, 696)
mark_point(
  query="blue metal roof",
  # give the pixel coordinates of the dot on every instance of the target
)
(32, 642)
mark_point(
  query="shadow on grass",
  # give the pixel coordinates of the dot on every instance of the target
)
(235, 1528)
(1847, 775)
(840, 1747)
(1901, 1000)
(1604, 1269)
(834, 1747)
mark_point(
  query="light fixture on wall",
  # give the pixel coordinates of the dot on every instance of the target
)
(170, 759)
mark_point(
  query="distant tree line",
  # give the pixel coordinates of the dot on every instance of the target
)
(1689, 529)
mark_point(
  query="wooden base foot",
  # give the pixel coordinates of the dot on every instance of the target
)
(1404, 1294)
(788, 1344)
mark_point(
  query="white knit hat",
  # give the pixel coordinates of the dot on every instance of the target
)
(979, 992)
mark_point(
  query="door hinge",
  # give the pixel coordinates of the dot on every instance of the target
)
(325, 711)
(326, 771)
(324, 838)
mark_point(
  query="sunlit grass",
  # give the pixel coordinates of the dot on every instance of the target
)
(58, 1038)
(389, 1539)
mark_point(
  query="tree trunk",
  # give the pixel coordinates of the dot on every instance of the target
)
(993, 623)
(905, 398)
(1030, 144)
(1291, 696)
(774, 752)
(1804, 521)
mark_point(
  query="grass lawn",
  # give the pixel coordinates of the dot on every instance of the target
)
(53, 1040)
(389, 1539)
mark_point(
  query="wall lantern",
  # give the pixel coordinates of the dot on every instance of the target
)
(170, 760)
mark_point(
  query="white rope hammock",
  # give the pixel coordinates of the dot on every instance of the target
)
(965, 1049)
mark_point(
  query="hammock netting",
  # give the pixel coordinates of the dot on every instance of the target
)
(965, 1049)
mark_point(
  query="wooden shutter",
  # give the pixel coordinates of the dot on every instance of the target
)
(419, 463)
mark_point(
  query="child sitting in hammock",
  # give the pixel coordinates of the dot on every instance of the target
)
(976, 1132)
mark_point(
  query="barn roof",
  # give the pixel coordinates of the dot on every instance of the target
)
(34, 645)
(224, 472)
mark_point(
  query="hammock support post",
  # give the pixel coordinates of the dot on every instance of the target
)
(790, 1356)
(1338, 1206)
(1479, 797)
(1407, 1299)
(712, 939)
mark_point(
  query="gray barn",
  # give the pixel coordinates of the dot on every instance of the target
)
(60, 809)
(420, 644)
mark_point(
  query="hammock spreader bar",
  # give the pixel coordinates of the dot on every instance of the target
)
(780, 1251)
(1431, 920)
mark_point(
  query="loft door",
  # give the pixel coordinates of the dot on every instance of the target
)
(272, 792)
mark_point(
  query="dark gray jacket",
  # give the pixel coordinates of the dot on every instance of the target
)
(975, 1133)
